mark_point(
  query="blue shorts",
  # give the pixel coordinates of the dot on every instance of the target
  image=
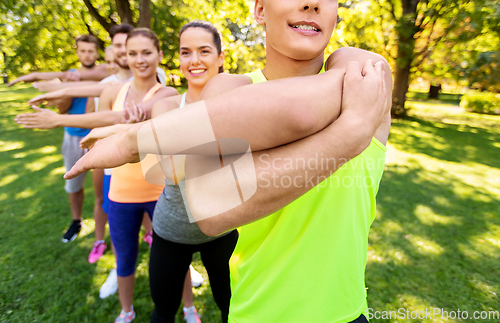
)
(105, 192)
(124, 224)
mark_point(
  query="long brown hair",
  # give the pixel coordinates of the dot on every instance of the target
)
(145, 32)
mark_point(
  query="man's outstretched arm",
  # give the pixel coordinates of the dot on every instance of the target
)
(37, 76)
(95, 74)
(365, 114)
(265, 115)
(48, 119)
(82, 91)
(49, 86)
(255, 113)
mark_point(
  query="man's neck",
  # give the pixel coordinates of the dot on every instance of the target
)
(280, 66)
(124, 73)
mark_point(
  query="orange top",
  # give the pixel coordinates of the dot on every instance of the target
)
(127, 182)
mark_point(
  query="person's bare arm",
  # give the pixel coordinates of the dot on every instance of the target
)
(46, 119)
(63, 104)
(162, 94)
(159, 107)
(88, 90)
(54, 85)
(336, 146)
(265, 115)
(365, 107)
(96, 74)
(269, 114)
(90, 106)
(37, 76)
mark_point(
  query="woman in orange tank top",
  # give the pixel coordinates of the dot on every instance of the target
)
(130, 195)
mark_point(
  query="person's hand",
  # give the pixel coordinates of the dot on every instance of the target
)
(133, 114)
(47, 86)
(114, 151)
(364, 92)
(25, 78)
(41, 119)
(49, 98)
(71, 76)
(98, 133)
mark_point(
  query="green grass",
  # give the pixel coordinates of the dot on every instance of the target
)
(435, 242)
(42, 279)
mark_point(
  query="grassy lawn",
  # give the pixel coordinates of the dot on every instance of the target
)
(435, 242)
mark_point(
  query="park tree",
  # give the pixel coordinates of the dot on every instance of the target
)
(40, 36)
(409, 32)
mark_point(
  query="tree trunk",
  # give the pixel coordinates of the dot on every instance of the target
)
(145, 14)
(434, 91)
(401, 77)
(406, 30)
(5, 76)
(124, 11)
(93, 11)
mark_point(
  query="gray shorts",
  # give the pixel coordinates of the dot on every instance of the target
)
(71, 152)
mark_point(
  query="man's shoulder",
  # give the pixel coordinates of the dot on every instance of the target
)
(344, 55)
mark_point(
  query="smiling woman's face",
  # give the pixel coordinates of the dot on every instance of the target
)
(142, 56)
(199, 58)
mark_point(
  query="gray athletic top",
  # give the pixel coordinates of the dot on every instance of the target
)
(171, 216)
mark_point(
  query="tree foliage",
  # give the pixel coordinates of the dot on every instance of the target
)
(434, 39)
(419, 38)
(40, 36)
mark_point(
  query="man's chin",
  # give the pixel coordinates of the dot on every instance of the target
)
(125, 66)
(90, 65)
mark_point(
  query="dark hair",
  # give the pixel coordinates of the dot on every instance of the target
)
(120, 29)
(145, 32)
(88, 39)
(211, 29)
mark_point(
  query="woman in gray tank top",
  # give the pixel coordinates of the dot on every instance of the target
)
(175, 237)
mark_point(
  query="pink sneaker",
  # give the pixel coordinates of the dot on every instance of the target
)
(97, 251)
(149, 238)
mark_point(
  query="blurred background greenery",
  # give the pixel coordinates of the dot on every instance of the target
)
(431, 45)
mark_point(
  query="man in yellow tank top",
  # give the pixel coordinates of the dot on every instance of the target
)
(318, 150)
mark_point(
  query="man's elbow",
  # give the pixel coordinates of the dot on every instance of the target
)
(209, 224)
(209, 227)
(303, 122)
